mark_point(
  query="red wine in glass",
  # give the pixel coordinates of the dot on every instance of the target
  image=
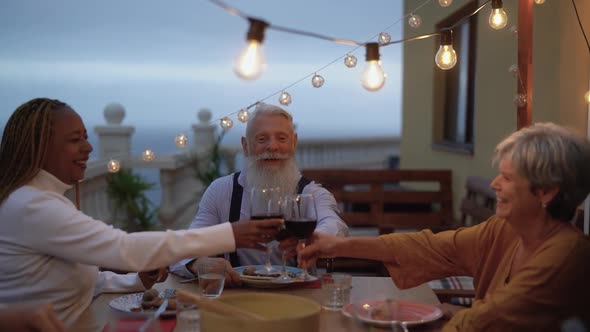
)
(301, 228)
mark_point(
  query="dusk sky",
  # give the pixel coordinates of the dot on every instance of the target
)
(165, 60)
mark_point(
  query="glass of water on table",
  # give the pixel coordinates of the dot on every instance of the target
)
(211, 272)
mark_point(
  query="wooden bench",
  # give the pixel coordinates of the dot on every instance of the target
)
(389, 200)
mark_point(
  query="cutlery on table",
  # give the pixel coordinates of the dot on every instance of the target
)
(154, 317)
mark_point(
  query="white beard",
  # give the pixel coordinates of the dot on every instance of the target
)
(285, 177)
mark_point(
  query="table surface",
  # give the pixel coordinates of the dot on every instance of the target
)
(100, 313)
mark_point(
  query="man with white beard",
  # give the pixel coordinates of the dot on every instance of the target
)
(269, 148)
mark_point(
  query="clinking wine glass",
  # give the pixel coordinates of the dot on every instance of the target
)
(301, 219)
(265, 203)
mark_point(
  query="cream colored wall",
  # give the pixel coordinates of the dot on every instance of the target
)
(560, 78)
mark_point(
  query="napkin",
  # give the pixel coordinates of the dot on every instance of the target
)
(133, 325)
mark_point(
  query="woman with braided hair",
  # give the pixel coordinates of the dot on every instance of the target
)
(49, 250)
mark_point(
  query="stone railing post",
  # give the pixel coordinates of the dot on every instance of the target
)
(114, 139)
(204, 132)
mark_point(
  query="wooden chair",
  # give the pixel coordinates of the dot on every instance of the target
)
(479, 202)
(387, 201)
(477, 206)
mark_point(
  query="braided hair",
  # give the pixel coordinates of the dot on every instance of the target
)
(24, 143)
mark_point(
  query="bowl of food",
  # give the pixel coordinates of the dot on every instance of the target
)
(279, 312)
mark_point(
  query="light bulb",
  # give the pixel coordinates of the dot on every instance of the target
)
(498, 18)
(445, 3)
(446, 58)
(317, 81)
(148, 155)
(113, 166)
(513, 70)
(514, 31)
(243, 115)
(539, 2)
(181, 140)
(250, 63)
(384, 38)
(350, 61)
(520, 100)
(373, 77)
(415, 21)
(285, 98)
(226, 123)
(587, 97)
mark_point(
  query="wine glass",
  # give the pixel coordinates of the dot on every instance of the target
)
(265, 203)
(301, 219)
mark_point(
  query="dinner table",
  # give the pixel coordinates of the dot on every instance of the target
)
(100, 313)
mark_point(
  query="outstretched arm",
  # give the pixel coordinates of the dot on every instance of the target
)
(329, 246)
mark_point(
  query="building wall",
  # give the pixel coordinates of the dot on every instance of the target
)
(561, 68)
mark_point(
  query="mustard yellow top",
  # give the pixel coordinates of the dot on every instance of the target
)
(552, 286)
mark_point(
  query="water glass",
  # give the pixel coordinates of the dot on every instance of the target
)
(211, 272)
(188, 317)
(335, 290)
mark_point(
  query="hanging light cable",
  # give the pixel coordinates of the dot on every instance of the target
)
(373, 77)
(498, 18)
(250, 63)
(446, 58)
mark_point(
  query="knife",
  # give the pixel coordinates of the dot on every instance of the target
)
(154, 317)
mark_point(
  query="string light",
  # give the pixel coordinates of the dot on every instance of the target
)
(350, 61)
(498, 18)
(226, 123)
(384, 38)
(520, 100)
(587, 97)
(539, 2)
(285, 98)
(513, 70)
(181, 140)
(250, 63)
(445, 3)
(243, 115)
(446, 58)
(113, 166)
(317, 81)
(415, 21)
(514, 31)
(373, 77)
(148, 155)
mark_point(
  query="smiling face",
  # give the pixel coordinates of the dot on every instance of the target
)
(515, 200)
(68, 149)
(271, 141)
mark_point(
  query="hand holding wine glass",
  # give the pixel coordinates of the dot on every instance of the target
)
(265, 204)
(301, 218)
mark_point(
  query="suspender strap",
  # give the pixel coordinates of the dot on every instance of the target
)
(234, 213)
(301, 184)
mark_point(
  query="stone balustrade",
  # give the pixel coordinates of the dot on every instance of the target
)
(179, 188)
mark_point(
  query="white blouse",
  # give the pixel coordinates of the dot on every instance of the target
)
(49, 251)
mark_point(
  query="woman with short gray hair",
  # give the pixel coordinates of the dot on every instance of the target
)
(528, 263)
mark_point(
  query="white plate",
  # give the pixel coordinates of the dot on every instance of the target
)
(407, 312)
(129, 301)
(267, 282)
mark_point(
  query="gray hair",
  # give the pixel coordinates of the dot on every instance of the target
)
(551, 156)
(263, 108)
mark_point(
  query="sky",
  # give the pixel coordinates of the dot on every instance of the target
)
(165, 60)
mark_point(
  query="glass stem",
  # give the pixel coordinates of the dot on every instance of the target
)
(303, 275)
(267, 264)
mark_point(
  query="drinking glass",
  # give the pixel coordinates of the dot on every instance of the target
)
(301, 218)
(211, 272)
(265, 204)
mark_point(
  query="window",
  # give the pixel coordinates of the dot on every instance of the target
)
(454, 89)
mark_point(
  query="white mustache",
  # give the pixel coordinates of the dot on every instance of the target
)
(267, 155)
